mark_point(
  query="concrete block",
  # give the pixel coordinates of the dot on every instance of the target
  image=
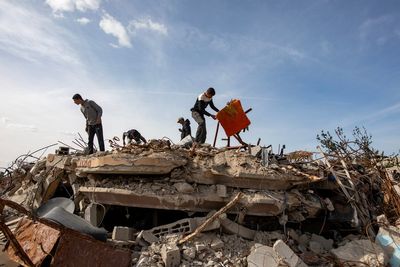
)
(189, 253)
(256, 151)
(149, 237)
(183, 226)
(122, 233)
(39, 166)
(287, 254)
(222, 190)
(217, 244)
(327, 244)
(261, 255)
(171, 255)
(200, 247)
(316, 247)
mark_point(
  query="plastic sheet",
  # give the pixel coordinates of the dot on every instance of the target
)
(232, 118)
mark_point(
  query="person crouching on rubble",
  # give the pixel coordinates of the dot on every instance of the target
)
(198, 112)
(186, 130)
(133, 135)
(92, 113)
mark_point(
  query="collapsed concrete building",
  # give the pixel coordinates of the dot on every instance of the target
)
(156, 205)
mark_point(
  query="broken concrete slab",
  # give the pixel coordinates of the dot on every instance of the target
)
(152, 163)
(287, 254)
(363, 251)
(59, 161)
(149, 237)
(256, 203)
(235, 228)
(261, 255)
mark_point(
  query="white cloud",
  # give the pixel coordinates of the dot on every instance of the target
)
(147, 24)
(19, 126)
(83, 5)
(25, 127)
(83, 21)
(372, 25)
(113, 27)
(27, 34)
(59, 6)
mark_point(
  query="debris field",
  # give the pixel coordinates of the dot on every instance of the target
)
(156, 205)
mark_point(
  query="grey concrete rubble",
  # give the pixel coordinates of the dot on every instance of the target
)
(287, 255)
(261, 255)
(363, 251)
(167, 208)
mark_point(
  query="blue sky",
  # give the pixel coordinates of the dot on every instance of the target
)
(303, 66)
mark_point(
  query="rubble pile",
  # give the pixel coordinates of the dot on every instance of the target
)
(156, 205)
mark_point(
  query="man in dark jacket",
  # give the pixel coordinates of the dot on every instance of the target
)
(186, 130)
(198, 112)
(92, 113)
(133, 135)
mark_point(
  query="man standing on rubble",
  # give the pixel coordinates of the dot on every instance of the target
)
(198, 112)
(185, 130)
(133, 135)
(92, 113)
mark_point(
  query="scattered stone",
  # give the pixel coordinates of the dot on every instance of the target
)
(294, 235)
(170, 255)
(200, 246)
(304, 239)
(184, 188)
(217, 244)
(189, 253)
(316, 247)
(327, 244)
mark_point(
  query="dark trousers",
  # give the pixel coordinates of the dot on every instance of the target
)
(201, 133)
(98, 130)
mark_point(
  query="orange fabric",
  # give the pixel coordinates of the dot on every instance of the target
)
(232, 118)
